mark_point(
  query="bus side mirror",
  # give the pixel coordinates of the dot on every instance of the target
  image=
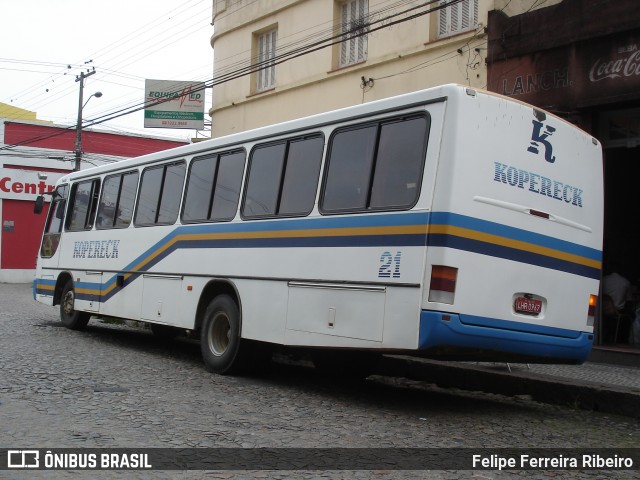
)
(37, 208)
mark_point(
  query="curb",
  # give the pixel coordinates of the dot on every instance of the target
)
(593, 397)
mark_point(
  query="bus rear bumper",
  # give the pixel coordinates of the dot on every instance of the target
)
(461, 337)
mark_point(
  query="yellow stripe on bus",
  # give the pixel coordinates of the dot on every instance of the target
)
(516, 244)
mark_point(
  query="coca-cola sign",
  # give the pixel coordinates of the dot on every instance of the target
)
(569, 77)
(626, 65)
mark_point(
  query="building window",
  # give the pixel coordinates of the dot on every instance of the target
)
(457, 18)
(266, 54)
(354, 17)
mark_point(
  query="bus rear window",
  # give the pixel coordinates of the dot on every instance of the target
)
(376, 166)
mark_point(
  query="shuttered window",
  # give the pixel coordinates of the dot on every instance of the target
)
(353, 27)
(266, 76)
(459, 17)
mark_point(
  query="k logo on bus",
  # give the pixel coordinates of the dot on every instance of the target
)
(539, 137)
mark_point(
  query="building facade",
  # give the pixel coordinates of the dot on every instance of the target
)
(277, 60)
(33, 156)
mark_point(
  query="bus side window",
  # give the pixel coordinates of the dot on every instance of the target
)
(300, 183)
(283, 178)
(213, 187)
(124, 211)
(160, 194)
(83, 205)
(264, 180)
(59, 215)
(53, 227)
(116, 204)
(400, 160)
(376, 166)
(228, 184)
(349, 169)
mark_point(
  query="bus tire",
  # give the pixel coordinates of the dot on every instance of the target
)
(223, 351)
(71, 318)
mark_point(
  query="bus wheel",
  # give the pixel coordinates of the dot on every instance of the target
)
(223, 351)
(70, 317)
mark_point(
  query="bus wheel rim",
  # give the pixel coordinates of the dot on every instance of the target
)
(68, 303)
(219, 336)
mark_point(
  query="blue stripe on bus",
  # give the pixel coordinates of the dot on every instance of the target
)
(493, 228)
(516, 255)
(44, 286)
(583, 261)
(454, 333)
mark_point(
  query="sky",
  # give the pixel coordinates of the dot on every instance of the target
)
(45, 44)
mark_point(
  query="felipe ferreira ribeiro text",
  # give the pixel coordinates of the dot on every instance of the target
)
(497, 462)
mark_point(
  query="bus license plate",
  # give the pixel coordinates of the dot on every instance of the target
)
(528, 306)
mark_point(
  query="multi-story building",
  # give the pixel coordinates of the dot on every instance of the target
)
(285, 59)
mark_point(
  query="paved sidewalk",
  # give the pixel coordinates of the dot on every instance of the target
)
(614, 376)
(591, 386)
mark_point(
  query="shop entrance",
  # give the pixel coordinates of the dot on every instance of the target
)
(620, 134)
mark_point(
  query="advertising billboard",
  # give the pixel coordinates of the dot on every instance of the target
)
(174, 104)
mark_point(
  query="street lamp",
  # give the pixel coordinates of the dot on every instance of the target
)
(81, 105)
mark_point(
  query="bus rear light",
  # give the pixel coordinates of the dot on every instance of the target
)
(591, 315)
(443, 284)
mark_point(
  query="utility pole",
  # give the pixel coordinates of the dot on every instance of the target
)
(80, 78)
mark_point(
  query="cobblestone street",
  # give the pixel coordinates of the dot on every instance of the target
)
(117, 386)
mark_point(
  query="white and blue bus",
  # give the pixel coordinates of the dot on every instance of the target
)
(447, 223)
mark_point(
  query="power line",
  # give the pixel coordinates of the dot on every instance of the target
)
(151, 31)
(334, 38)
